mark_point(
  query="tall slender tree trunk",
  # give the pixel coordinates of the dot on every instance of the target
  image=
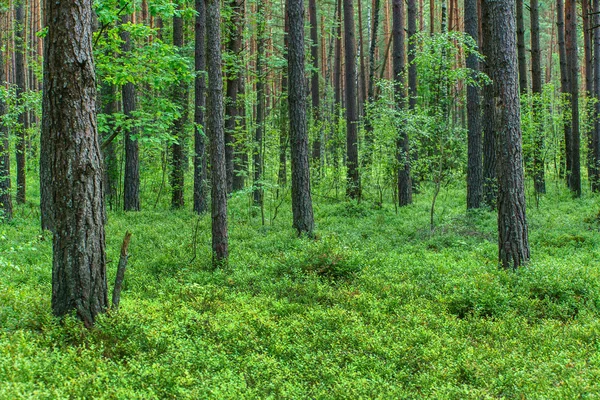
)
(284, 110)
(314, 83)
(513, 243)
(200, 164)
(589, 82)
(371, 86)
(475, 147)
(353, 178)
(69, 123)
(21, 145)
(521, 48)
(412, 48)
(131, 192)
(564, 87)
(402, 146)
(6, 209)
(539, 180)
(573, 70)
(596, 138)
(220, 240)
(301, 198)
(108, 96)
(260, 106)
(240, 156)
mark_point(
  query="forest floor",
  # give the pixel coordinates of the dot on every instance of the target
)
(377, 307)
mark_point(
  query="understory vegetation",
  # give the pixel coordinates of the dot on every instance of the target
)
(378, 306)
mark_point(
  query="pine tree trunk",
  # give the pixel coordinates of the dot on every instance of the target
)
(513, 241)
(260, 106)
(596, 137)
(301, 198)
(521, 48)
(131, 192)
(371, 86)
(284, 111)
(539, 180)
(200, 164)
(412, 68)
(402, 147)
(573, 70)
(21, 143)
(564, 87)
(220, 241)
(589, 82)
(353, 179)
(69, 123)
(475, 148)
(314, 82)
(5, 195)
(108, 97)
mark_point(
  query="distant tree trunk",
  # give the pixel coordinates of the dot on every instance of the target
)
(539, 181)
(69, 123)
(475, 158)
(412, 48)
(21, 144)
(521, 48)
(220, 241)
(596, 138)
(573, 68)
(314, 82)
(372, 68)
(589, 82)
(234, 48)
(200, 175)
(301, 198)
(431, 17)
(284, 111)
(353, 179)
(513, 243)
(131, 192)
(402, 150)
(240, 162)
(565, 86)
(5, 195)
(108, 96)
(260, 106)
(490, 182)
(180, 96)
(337, 68)
(362, 74)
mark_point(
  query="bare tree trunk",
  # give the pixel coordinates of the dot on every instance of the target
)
(220, 241)
(301, 198)
(521, 48)
(572, 66)
(565, 86)
(5, 196)
(284, 111)
(108, 96)
(200, 164)
(314, 82)
(69, 122)
(371, 86)
(589, 82)
(260, 106)
(21, 144)
(596, 138)
(513, 241)
(402, 146)
(539, 181)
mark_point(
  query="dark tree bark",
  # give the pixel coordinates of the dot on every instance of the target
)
(490, 181)
(371, 85)
(539, 180)
(353, 178)
(573, 70)
(69, 122)
(200, 189)
(131, 182)
(234, 48)
(216, 130)
(284, 111)
(301, 198)
(337, 68)
(402, 151)
(589, 81)
(513, 241)
(564, 85)
(108, 98)
(475, 148)
(412, 68)
(596, 137)
(180, 96)
(260, 106)
(240, 161)
(21, 143)
(6, 210)
(521, 48)
(314, 81)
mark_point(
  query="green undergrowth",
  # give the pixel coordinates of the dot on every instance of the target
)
(378, 306)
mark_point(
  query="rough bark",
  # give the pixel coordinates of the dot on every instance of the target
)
(371, 85)
(475, 147)
(521, 48)
(573, 71)
(131, 182)
(314, 81)
(6, 210)
(402, 147)
(539, 180)
(353, 178)
(200, 175)
(21, 142)
(412, 67)
(596, 137)
(589, 82)
(301, 198)
(220, 241)
(564, 85)
(513, 241)
(284, 111)
(69, 123)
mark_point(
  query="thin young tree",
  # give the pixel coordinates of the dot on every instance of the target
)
(301, 197)
(6, 210)
(216, 130)
(200, 175)
(513, 243)
(69, 122)
(539, 180)
(353, 178)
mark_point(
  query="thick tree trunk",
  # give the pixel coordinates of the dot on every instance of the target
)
(475, 148)
(564, 86)
(5, 195)
(260, 106)
(513, 241)
(220, 241)
(131, 188)
(402, 150)
(490, 182)
(180, 97)
(521, 48)
(200, 189)
(539, 180)
(314, 82)
(353, 178)
(596, 137)
(573, 70)
(21, 144)
(69, 123)
(301, 198)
